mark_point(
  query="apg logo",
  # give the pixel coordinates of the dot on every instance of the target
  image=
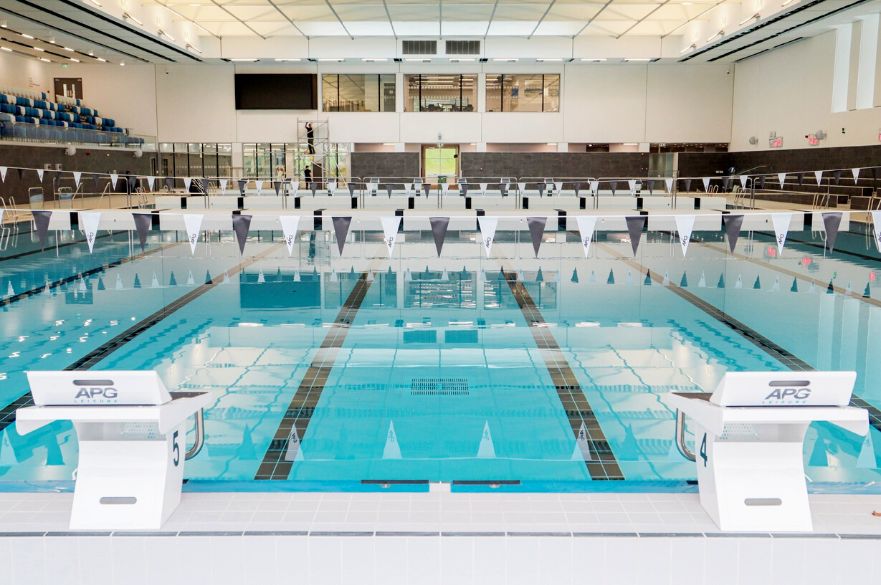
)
(788, 392)
(95, 392)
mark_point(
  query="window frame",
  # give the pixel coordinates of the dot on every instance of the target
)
(501, 77)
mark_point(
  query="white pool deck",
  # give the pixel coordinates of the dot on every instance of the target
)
(438, 538)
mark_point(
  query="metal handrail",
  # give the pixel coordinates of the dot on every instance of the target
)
(200, 435)
(681, 446)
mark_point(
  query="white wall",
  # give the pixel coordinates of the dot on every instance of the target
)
(27, 74)
(789, 91)
(599, 103)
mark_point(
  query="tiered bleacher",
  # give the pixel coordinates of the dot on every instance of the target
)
(28, 116)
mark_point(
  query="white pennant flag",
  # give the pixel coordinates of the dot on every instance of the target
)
(187, 182)
(445, 187)
(150, 181)
(876, 221)
(521, 187)
(113, 179)
(684, 227)
(819, 176)
(483, 187)
(3, 173)
(632, 184)
(223, 184)
(331, 187)
(1, 216)
(76, 177)
(487, 232)
(781, 227)
(743, 179)
(586, 225)
(706, 181)
(668, 182)
(259, 184)
(40, 176)
(193, 221)
(782, 178)
(558, 186)
(289, 225)
(594, 187)
(295, 187)
(856, 174)
(390, 227)
(407, 188)
(89, 221)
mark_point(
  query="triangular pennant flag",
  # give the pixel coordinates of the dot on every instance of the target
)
(683, 282)
(114, 178)
(187, 182)
(154, 282)
(743, 180)
(581, 452)
(611, 278)
(89, 224)
(536, 231)
(426, 188)
(41, 222)
(3, 173)
(558, 186)
(150, 181)
(76, 178)
(794, 286)
(721, 282)
(439, 231)
(635, 225)
(277, 186)
(781, 227)
(574, 277)
(706, 181)
(390, 227)
(867, 458)
(242, 183)
(684, 227)
(391, 450)
(295, 187)
(856, 174)
(819, 176)
(586, 225)
(487, 231)
(445, 187)
(40, 176)
(240, 226)
(341, 230)
(142, 225)
(831, 221)
(483, 187)
(702, 281)
(521, 187)
(595, 187)
(632, 184)
(781, 177)
(193, 221)
(668, 183)
(486, 450)
(223, 184)
(289, 225)
(757, 285)
(331, 187)
(259, 185)
(731, 224)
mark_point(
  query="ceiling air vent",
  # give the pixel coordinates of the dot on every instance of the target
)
(463, 47)
(419, 47)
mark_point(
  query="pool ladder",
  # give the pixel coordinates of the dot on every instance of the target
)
(681, 445)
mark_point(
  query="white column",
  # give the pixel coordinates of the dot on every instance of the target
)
(867, 68)
(841, 68)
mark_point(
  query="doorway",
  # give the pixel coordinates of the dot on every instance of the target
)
(440, 161)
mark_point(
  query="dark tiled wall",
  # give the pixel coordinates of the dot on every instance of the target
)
(86, 160)
(554, 164)
(385, 164)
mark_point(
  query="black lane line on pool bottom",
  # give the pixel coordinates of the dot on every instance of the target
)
(68, 279)
(277, 462)
(777, 352)
(602, 463)
(59, 246)
(7, 414)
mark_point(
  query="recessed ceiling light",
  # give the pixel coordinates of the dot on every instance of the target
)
(243, 60)
(330, 60)
(288, 60)
(371, 60)
(74, 59)
(636, 60)
(466, 60)
(97, 3)
(127, 16)
(554, 60)
(193, 48)
(7, 49)
(27, 36)
(122, 63)
(506, 60)
(68, 49)
(45, 60)
(101, 59)
(786, 3)
(593, 60)
(422, 60)
(39, 49)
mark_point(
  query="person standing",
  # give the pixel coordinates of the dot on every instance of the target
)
(310, 137)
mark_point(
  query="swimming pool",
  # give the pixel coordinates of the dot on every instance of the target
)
(355, 371)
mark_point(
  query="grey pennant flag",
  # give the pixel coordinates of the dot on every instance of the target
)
(351, 189)
(41, 221)
(240, 225)
(143, 221)
(536, 231)
(439, 231)
(831, 221)
(732, 224)
(635, 225)
(341, 229)
(426, 188)
(277, 185)
(242, 183)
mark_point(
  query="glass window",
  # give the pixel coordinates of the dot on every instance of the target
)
(523, 93)
(358, 93)
(440, 93)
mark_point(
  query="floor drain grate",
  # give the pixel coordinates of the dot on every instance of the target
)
(439, 387)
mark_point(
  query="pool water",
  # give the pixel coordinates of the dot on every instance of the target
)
(357, 371)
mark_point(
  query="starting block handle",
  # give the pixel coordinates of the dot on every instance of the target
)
(681, 446)
(200, 435)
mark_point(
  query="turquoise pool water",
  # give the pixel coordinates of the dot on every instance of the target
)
(441, 369)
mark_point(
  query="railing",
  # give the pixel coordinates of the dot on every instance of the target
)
(23, 132)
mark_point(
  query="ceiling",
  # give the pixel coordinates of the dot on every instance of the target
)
(189, 31)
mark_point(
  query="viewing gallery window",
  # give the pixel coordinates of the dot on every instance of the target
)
(522, 93)
(440, 93)
(358, 92)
